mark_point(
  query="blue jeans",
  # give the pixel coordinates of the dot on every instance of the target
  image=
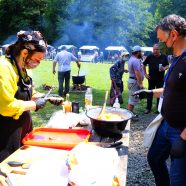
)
(158, 154)
(64, 76)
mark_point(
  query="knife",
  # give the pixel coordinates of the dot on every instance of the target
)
(48, 93)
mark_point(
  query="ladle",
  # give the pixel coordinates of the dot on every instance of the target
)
(102, 112)
(78, 70)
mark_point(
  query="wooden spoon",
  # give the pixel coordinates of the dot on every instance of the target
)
(102, 112)
(78, 70)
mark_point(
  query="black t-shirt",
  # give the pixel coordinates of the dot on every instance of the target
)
(153, 63)
(174, 102)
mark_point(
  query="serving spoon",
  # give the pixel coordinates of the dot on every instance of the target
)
(78, 70)
(102, 112)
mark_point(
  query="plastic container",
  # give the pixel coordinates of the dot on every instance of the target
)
(88, 98)
(56, 138)
(116, 103)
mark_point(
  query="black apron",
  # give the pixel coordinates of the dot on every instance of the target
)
(12, 131)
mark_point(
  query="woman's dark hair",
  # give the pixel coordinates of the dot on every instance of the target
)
(33, 41)
(173, 21)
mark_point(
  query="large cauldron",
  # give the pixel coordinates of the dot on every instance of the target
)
(109, 128)
(78, 79)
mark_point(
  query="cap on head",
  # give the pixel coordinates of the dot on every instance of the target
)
(136, 48)
(33, 40)
(124, 53)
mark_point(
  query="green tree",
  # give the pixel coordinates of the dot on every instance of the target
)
(108, 22)
(54, 16)
(20, 14)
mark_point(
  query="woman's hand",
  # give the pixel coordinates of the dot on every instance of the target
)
(40, 103)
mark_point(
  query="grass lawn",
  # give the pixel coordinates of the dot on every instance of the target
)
(97, 76)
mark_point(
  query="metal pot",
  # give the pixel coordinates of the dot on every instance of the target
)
(107, 128)
(78, 79)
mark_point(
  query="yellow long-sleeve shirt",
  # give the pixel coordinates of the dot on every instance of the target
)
(9, 105)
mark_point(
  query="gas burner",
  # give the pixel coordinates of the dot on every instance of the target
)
(105, 139)
(79, 88)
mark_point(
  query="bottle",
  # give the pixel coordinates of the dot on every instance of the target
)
(81, 109)
(67, 104)
(116, 103)
(88, 98)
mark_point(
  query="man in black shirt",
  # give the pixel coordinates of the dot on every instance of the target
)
(157, 64)
(170, 138)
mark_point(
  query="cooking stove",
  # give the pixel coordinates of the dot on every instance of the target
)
(97, 138)
(79, 88)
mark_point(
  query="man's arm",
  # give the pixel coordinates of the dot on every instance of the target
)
(144, 93)
(164, 68)
(54, 67)
(113, 72)
(157, 92)
(76, 60)
(139, 78)
(165, 64)
(145, 71)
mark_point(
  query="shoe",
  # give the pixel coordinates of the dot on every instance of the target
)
(147, 111)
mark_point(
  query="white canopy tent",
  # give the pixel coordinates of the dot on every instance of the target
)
(5, 46)
(86, 47)
(118, 48)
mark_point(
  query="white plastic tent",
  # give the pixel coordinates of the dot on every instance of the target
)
(147, 49)
(86, 47)
(118, 48)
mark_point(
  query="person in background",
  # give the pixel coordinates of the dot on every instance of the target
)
(157, 64)
(16, 98)
(136, 76)
(1, 52)
(53, 53)
(101, 57)
(116, 75)
(170, 138)
(79, 54)
(170, 59)
(64, 59)
(95, 56)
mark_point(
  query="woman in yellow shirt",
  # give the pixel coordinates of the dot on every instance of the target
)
(16, 89)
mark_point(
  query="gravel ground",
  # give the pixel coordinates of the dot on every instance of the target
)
(139, 173)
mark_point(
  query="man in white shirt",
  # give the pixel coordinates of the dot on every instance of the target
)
(64, 59)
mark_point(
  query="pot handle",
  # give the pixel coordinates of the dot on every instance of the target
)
(111, 145)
